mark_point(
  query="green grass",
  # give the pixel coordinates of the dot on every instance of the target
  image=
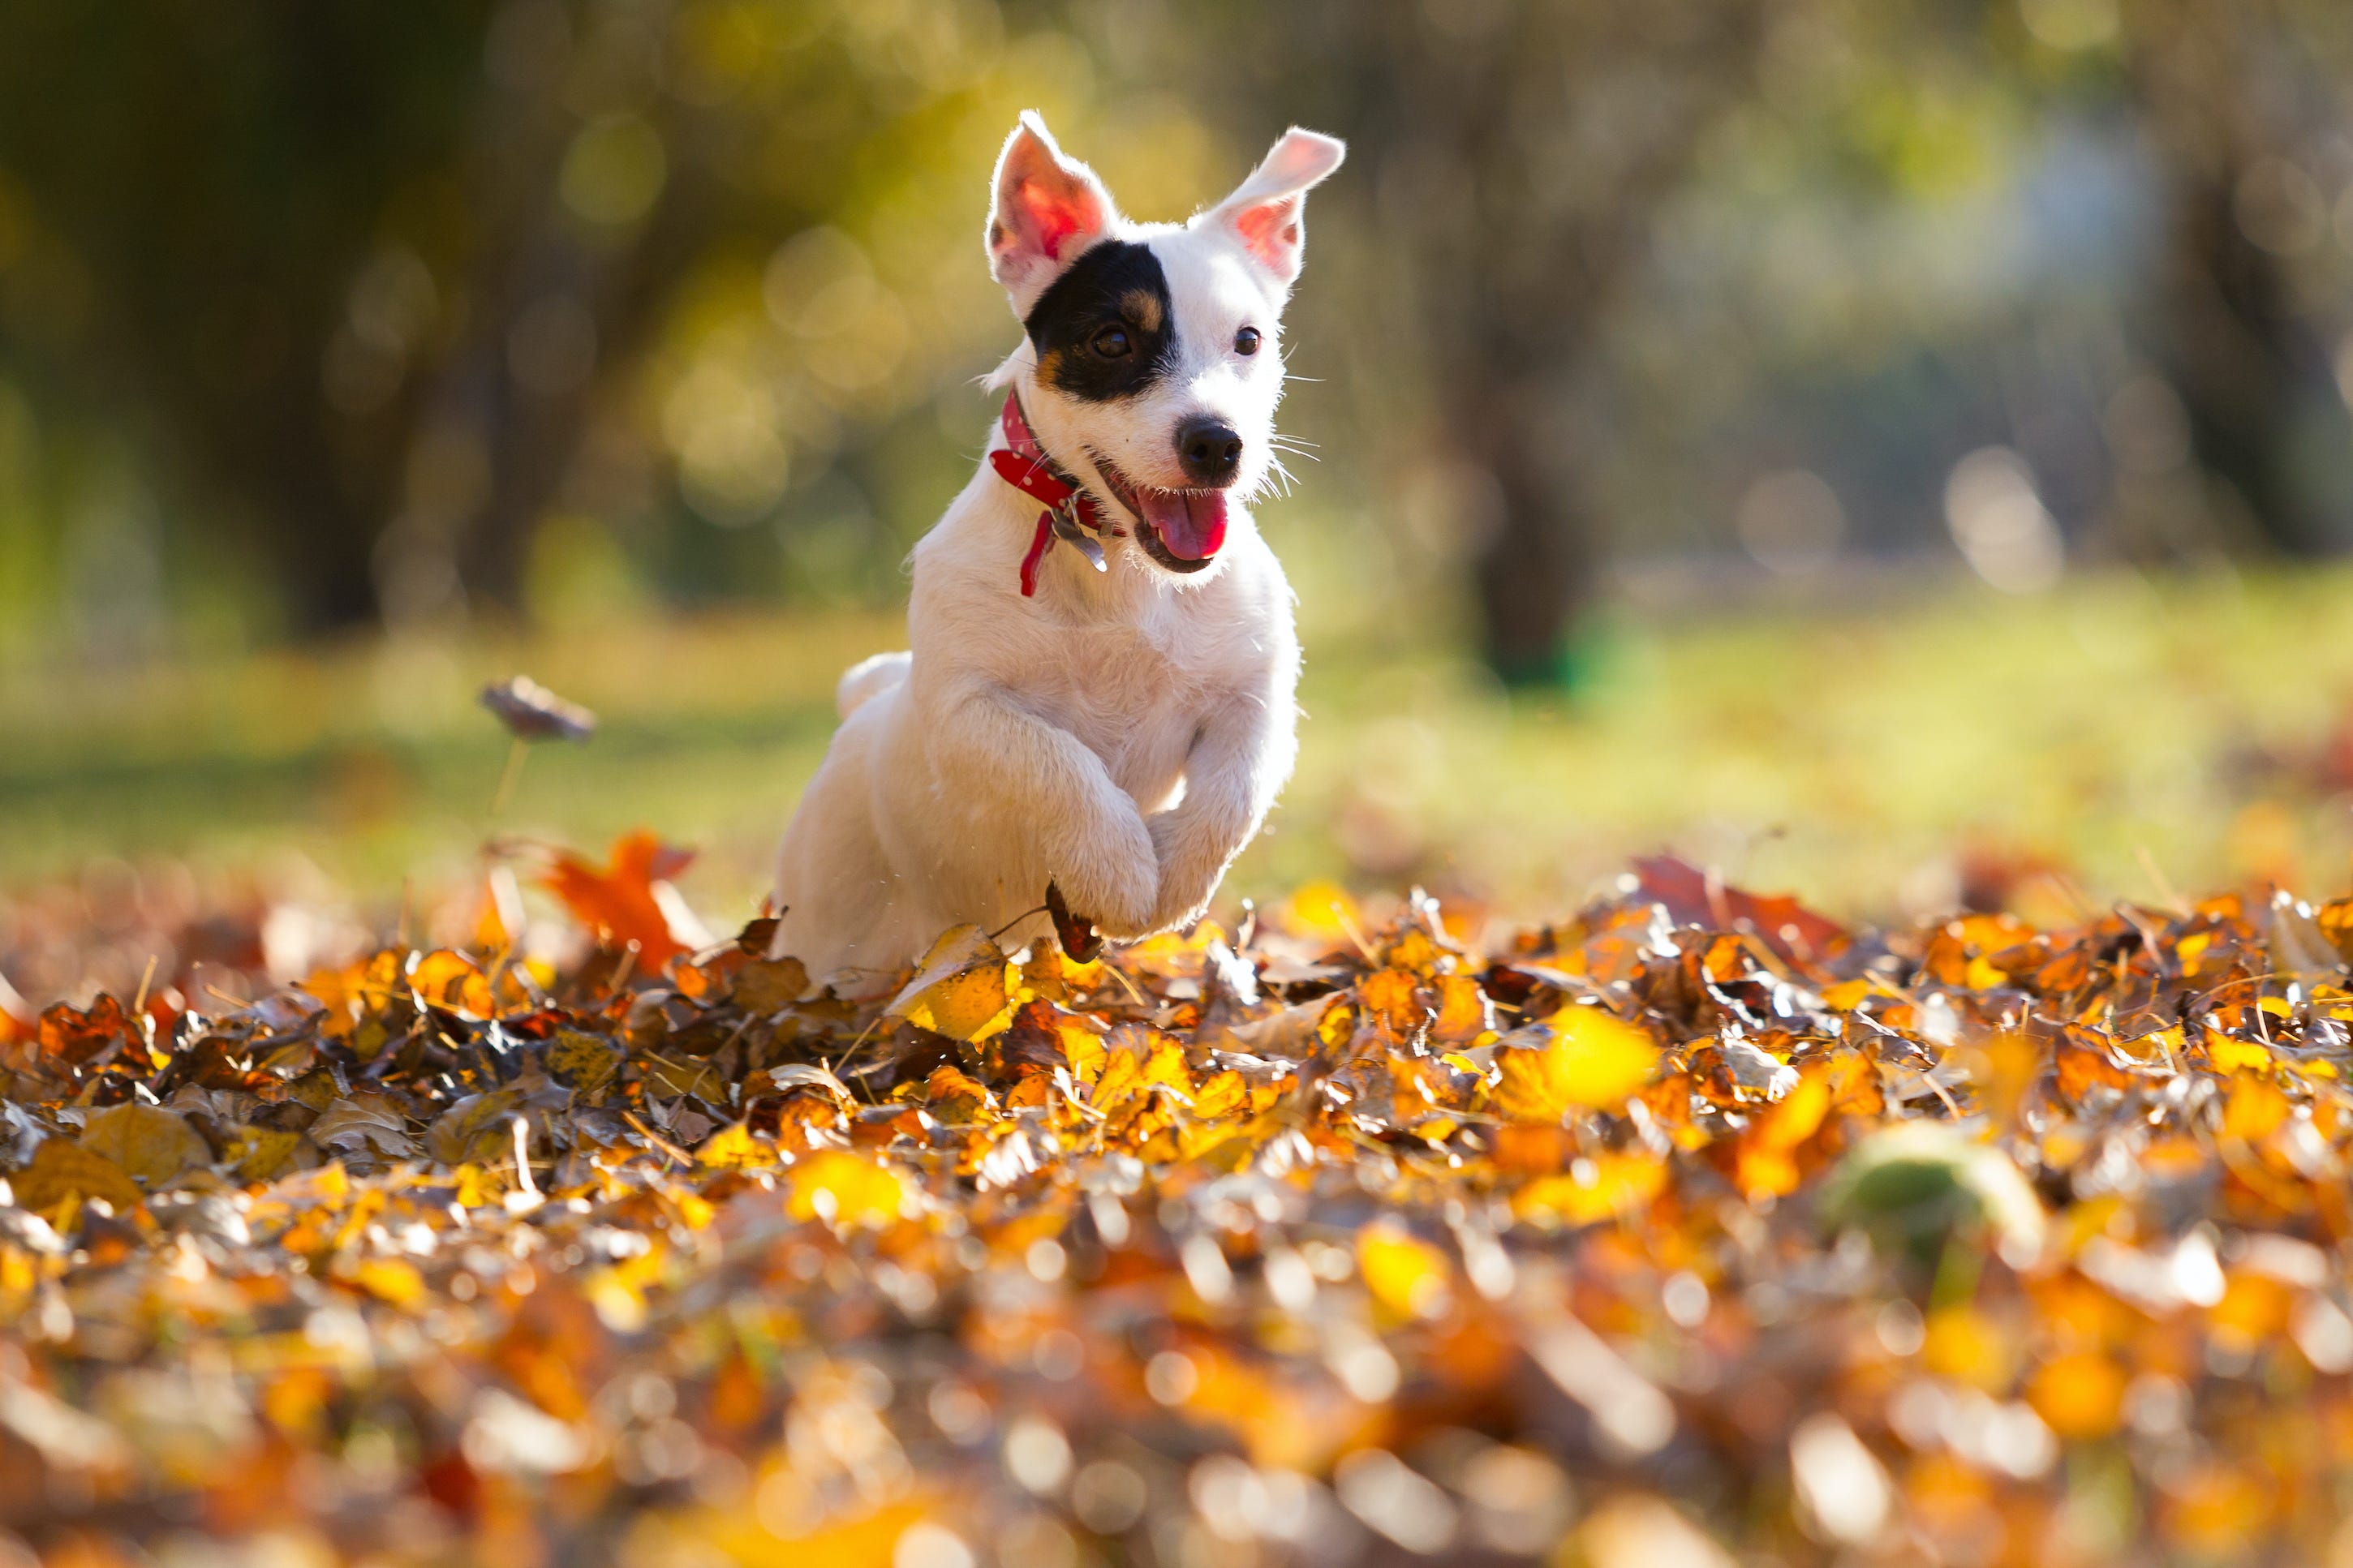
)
(1850, 753)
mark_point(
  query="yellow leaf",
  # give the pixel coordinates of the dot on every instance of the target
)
(1849, 995)
(1406, 1275)
(2232, 1055)
(1082, 1048)
(1220, 1094)
(2254, 1110)
(1593, 1061)
(962, 988)
(150, 1143)
(392, 1280)
(60, 1170)
(807, 1537)
(1620, 1183)
(265, 1153)
(734, 1148)
(843, 1188)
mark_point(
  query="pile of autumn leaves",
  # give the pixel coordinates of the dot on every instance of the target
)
(1694, 1227)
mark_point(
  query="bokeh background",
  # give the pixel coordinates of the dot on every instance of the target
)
(1895, 449)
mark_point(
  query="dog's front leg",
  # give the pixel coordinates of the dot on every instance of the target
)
(1087, 830)
(1232, 775)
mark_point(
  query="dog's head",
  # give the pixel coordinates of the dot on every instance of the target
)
(1155, 353)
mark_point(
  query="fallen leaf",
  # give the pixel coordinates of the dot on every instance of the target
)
(1589, 1062)
(150, 1144)
(960, 988)
(623, 901)
(61, 1169)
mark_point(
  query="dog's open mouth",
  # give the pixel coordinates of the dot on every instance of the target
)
(1182, 529)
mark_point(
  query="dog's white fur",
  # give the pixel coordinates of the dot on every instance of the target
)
(1122, 734)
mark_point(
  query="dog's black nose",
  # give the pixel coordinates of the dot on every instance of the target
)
(1210, 450)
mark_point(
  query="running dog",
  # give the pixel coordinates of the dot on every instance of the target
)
(1097, 697)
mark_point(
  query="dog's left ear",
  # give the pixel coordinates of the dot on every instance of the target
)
(1268, 213)
(1046, 209)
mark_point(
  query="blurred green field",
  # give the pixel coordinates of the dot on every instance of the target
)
(1869, 756)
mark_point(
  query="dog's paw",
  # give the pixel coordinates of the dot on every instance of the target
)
(1113, 878)
(1189, 873)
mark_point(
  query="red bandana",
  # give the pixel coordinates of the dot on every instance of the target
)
(1022, 463)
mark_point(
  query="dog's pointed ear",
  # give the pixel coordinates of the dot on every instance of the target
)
(1046, 209)
(1268, 213)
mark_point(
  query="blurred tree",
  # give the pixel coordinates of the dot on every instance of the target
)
(1516, 154)
(366, 278)
(380, 291)
(2243, 104)
(195, 185)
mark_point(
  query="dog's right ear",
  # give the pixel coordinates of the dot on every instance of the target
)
(1047, 209)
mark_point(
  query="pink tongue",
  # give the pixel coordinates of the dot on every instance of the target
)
(1191, 524)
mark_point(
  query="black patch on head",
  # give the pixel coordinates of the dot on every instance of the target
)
(1117, 283)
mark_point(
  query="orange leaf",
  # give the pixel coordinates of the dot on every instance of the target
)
(622, 902)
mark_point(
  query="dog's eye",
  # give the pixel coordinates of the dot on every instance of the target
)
(1112, 342)
(1246, 340)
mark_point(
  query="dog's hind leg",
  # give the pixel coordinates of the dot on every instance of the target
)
(841, 903)
(868, 678)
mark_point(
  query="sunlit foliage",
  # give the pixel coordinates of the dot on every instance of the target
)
(1690, 1228)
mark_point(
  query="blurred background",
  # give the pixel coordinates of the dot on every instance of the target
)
(1896, 449)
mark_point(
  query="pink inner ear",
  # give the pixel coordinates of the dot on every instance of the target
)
(1054, 211)
(1270, 232)
(1057, 217)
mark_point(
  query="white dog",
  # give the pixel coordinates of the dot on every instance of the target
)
(1099, 688)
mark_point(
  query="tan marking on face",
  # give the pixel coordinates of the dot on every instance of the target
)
(1050, 365)
(1142, 306)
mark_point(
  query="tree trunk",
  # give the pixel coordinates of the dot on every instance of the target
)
(1535, 571)
(2249, 372)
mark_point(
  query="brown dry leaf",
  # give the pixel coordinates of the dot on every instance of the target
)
(584, 1061)
(532, 712)
(77, 1036)
(1018, 1263)
(149, 1144)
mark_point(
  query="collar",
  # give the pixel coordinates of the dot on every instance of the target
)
(1022, 463)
